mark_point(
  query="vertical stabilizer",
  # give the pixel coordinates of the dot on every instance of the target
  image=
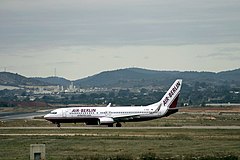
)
(169, 100)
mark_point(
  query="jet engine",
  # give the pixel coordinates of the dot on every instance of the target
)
(106, 120)
(100, 121)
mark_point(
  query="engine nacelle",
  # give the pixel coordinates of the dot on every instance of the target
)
(106, 120)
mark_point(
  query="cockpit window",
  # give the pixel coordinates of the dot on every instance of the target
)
(53, 113)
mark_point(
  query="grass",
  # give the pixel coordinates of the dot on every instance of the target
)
(116, 144)
(163, 143)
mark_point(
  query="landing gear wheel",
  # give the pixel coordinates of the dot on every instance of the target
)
(118, 125)
(58, 125)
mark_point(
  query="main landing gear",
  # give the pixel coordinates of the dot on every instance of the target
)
(117, 125)
(58, 125)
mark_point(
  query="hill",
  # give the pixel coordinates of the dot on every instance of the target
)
(137, 77)
(143, 87)
(54, 80)
(129, 77)
(14, 79)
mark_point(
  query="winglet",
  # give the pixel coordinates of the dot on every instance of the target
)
(109, 105)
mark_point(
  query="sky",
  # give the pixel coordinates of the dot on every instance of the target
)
(79, 38)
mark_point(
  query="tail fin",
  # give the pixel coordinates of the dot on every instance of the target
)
(169, 100)
(171, 97)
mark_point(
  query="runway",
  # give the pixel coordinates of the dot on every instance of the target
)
(120, 128)
(65, 131)
(13, 116)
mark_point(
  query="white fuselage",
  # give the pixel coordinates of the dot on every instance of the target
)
(81, 114)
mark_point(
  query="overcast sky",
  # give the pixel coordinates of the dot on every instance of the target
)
(84, 37)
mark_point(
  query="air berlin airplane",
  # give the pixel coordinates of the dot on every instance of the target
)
(109, 115)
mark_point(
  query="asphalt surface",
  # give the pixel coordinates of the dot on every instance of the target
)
(13, 115)
(122, 128)
(103, 134)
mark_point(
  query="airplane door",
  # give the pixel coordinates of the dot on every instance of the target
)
(64, 113)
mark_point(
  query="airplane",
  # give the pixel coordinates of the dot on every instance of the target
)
(110, 115)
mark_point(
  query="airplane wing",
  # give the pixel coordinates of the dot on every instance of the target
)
(125, 117)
